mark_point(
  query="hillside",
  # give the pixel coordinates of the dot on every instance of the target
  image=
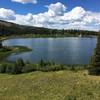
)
(8, 28)
(61, 85)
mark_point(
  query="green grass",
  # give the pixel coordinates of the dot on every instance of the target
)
(60, 85)
(57, 85)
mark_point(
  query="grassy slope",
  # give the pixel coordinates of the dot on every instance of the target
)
(61, 85)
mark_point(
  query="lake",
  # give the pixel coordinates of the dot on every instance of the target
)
(69, 50)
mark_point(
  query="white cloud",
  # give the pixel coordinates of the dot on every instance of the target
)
(25, 1)
(24, 19)
(56, 9)
(56, 17)
(7, 14)
(77, 13)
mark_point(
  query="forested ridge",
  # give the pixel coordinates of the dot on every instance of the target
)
(8, 28)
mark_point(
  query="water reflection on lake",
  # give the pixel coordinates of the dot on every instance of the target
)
(70, 50)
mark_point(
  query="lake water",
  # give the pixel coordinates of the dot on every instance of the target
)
(70, 50)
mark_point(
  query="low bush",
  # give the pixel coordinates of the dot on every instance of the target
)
(70, 97)
(28, 68)
(20, 67)
(3, 68)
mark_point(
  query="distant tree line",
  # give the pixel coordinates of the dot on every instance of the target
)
(7, 28)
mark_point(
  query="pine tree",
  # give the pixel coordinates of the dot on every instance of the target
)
(0, 44)
(96, 59)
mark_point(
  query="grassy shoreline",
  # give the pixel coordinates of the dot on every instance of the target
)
(13, 49)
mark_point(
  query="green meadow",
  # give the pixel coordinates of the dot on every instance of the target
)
(59, 85)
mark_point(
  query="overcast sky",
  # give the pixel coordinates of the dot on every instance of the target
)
(62, 14)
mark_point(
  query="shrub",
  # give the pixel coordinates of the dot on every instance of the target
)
(70, 97)
(28, 68)
(53, 68)
(42, 63)
(3, 68)
(16, 69)
(20, 62)
(13, 69)
(94, 71)
(95, 62)
(9, 69)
